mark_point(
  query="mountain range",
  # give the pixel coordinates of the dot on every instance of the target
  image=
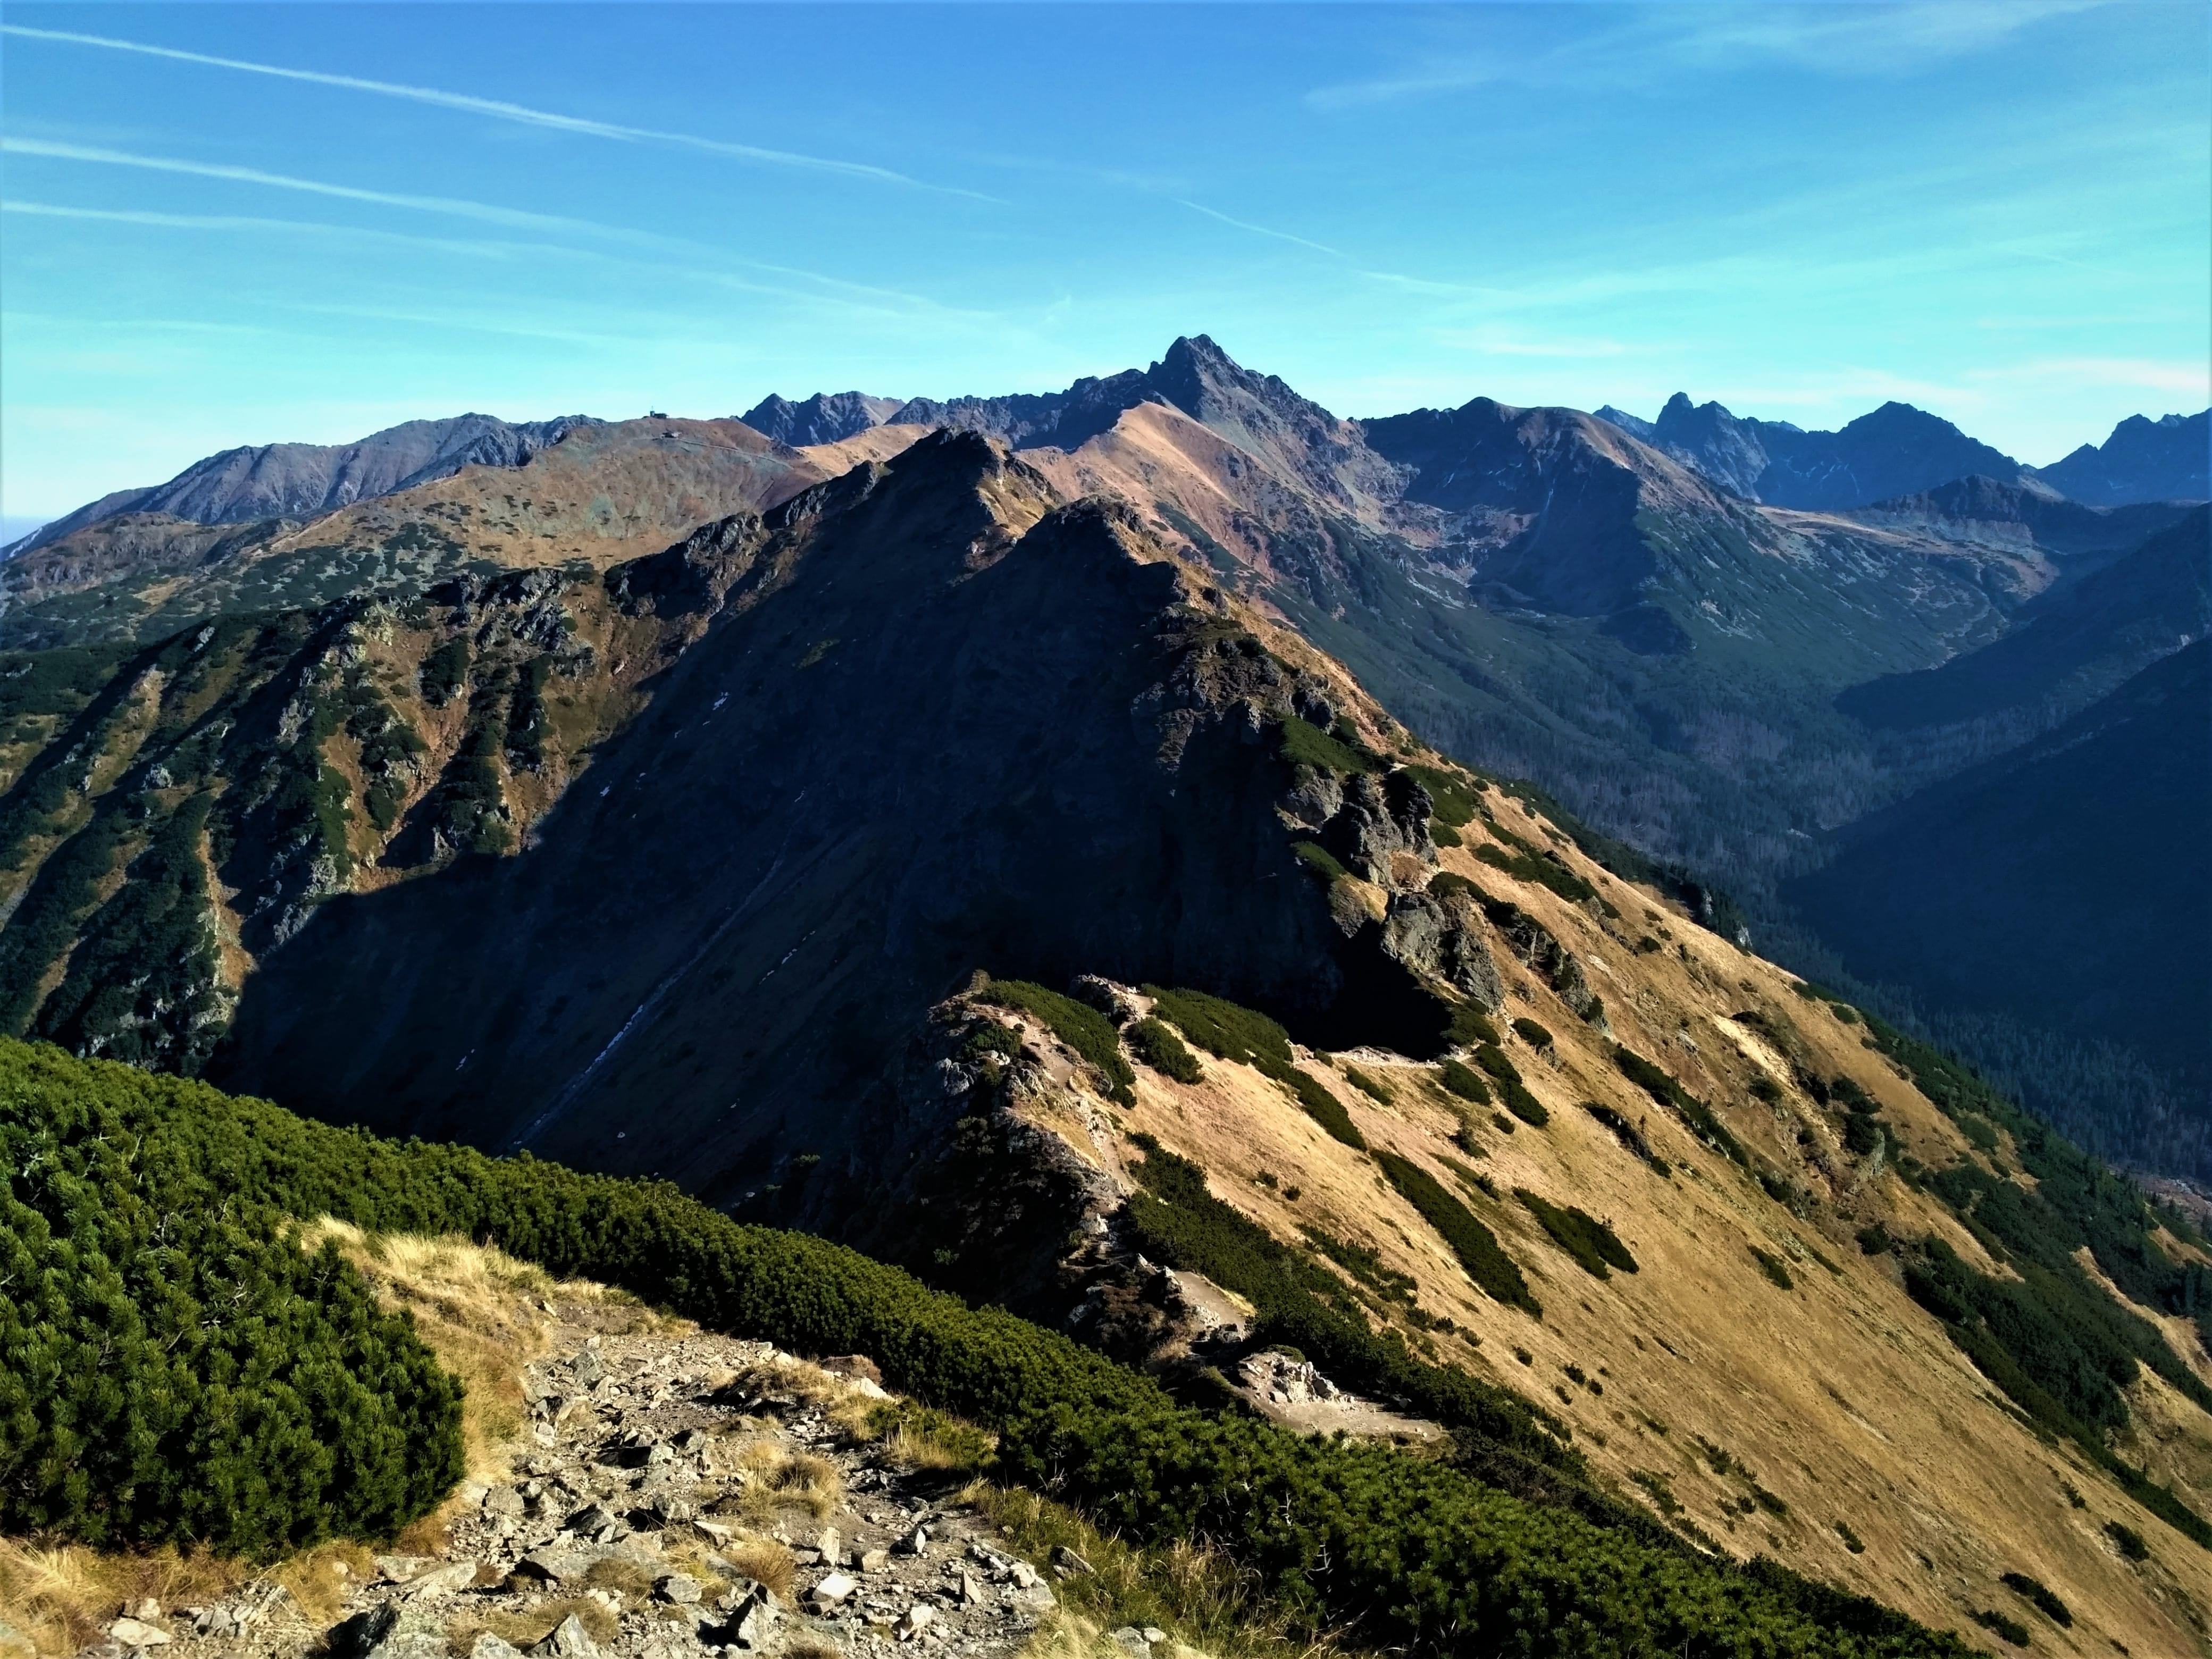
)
(1897, 450)
(1221, 879)
(305, 481)
(1710, 686)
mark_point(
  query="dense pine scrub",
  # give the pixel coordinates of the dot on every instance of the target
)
(1304, 744)
(1592, 1244)
(1359, 1537)
(1459, 1080)
(1082, 1028)
(1474, 1244)
(1696, 1116)
(173, 1366)
(1154, 1041)
(1544, 872)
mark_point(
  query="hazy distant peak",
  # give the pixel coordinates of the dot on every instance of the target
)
(2144, 460)
(303, 481)
(827, 417)
(1635, 425)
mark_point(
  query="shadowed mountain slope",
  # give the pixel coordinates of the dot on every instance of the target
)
(934, 720)
(2064, 882)
(1895, 450)
(2072, 647)
(2144, 460)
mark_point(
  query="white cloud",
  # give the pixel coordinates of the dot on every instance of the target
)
(500, 110)
(1664, 44)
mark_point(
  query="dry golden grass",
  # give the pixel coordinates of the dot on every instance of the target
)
(765, 1561)
(1847, 1398)
(777, 1478)
(480, 1309)
(62, 1598)
(531, 1625)
(630, 1579)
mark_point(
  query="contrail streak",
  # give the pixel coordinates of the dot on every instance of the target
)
(501, 110)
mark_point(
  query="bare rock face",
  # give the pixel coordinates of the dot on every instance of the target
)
(1444, 939)
(1381, 816)
(1540, 950)
(1316, 797)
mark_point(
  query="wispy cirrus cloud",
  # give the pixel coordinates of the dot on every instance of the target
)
(501, 110)
(453, 206)
(822, 286)
(1663, 45)
(1257, 230)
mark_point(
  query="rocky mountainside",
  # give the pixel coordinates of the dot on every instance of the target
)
(1057, 675)
(2078, 640)
(303, 481)
(608, 492)
(1895, 450)
(2026, 516)
(827, 417)
(2144, 460)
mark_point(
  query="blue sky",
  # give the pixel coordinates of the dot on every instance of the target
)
(2002, 214)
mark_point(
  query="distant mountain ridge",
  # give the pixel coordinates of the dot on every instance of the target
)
(300, 481)
(827, 417)
(1894, 450)
(2144, 460)
(1898, 450)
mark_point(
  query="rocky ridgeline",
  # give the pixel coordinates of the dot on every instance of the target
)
(673, 1496)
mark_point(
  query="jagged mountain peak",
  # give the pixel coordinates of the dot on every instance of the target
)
(2144, 460)
(827, 417)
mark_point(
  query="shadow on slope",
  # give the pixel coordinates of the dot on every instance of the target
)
(940, 722)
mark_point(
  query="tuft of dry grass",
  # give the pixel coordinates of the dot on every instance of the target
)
(1207, 1604)
(777, 1477)
(923, 1437)
(528, 1626)
(765, 1561)
(61, 1600)
(482, 1311)
(630, 1579)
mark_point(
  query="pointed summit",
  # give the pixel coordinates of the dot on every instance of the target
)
(827, 417)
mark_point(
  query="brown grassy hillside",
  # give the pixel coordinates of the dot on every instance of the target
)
(1793, 1421)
